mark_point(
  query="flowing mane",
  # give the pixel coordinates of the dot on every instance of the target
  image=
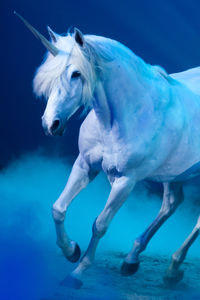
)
(89, 61)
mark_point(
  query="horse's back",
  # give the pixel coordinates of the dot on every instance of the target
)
(191, 78)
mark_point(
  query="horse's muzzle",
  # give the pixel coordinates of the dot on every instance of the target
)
(56, 128)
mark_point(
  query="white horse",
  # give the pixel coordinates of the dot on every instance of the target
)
(142, 124)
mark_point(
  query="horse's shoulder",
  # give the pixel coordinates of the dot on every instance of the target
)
(89, 137)
(89, 128)
(90, 145)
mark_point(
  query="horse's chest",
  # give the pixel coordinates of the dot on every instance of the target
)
(114, 158)
(111, 162)
(112, 166)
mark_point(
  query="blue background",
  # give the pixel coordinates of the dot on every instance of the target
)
(34, 168)
(165, 33)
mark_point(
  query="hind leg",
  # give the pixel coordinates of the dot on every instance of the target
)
(172, 197)
(173, 273)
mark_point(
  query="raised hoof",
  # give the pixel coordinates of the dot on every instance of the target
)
(76, 255)
(172, 278)
(128, 269)
(72, 282)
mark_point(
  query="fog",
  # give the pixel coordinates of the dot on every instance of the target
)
(28, 188)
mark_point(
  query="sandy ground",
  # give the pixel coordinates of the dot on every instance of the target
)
(103, 281)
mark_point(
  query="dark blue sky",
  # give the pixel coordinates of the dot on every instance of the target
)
(163, 32)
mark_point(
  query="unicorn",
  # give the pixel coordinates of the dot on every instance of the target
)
(142, 124)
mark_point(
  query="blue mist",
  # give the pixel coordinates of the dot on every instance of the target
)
(30, 185)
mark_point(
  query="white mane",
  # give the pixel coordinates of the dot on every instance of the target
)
(89, 61)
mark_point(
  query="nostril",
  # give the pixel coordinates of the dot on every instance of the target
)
(55, 125)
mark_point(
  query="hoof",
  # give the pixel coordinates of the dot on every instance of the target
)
(72, 282)
(75, 256)
(128, 269)
(172, 278)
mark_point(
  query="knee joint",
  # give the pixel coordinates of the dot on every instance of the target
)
(167, 210)
(98, 230)
(58, 215)
(169, 207)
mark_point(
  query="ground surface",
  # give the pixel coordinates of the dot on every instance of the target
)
(103, 281)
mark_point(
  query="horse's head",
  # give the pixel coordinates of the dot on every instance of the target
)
(61, 81)
(66, 78)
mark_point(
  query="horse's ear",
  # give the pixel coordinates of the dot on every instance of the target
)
(79, 38)
(53, 35)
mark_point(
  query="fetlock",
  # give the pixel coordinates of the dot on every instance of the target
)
(58, 216)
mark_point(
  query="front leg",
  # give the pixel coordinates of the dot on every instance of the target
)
(121, 189)
(80, 176)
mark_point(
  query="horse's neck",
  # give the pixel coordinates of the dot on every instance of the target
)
(124, 91)
(101, 107)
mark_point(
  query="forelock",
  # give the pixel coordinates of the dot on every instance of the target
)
(85, 60)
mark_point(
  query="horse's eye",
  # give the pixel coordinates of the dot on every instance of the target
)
(76, 74)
